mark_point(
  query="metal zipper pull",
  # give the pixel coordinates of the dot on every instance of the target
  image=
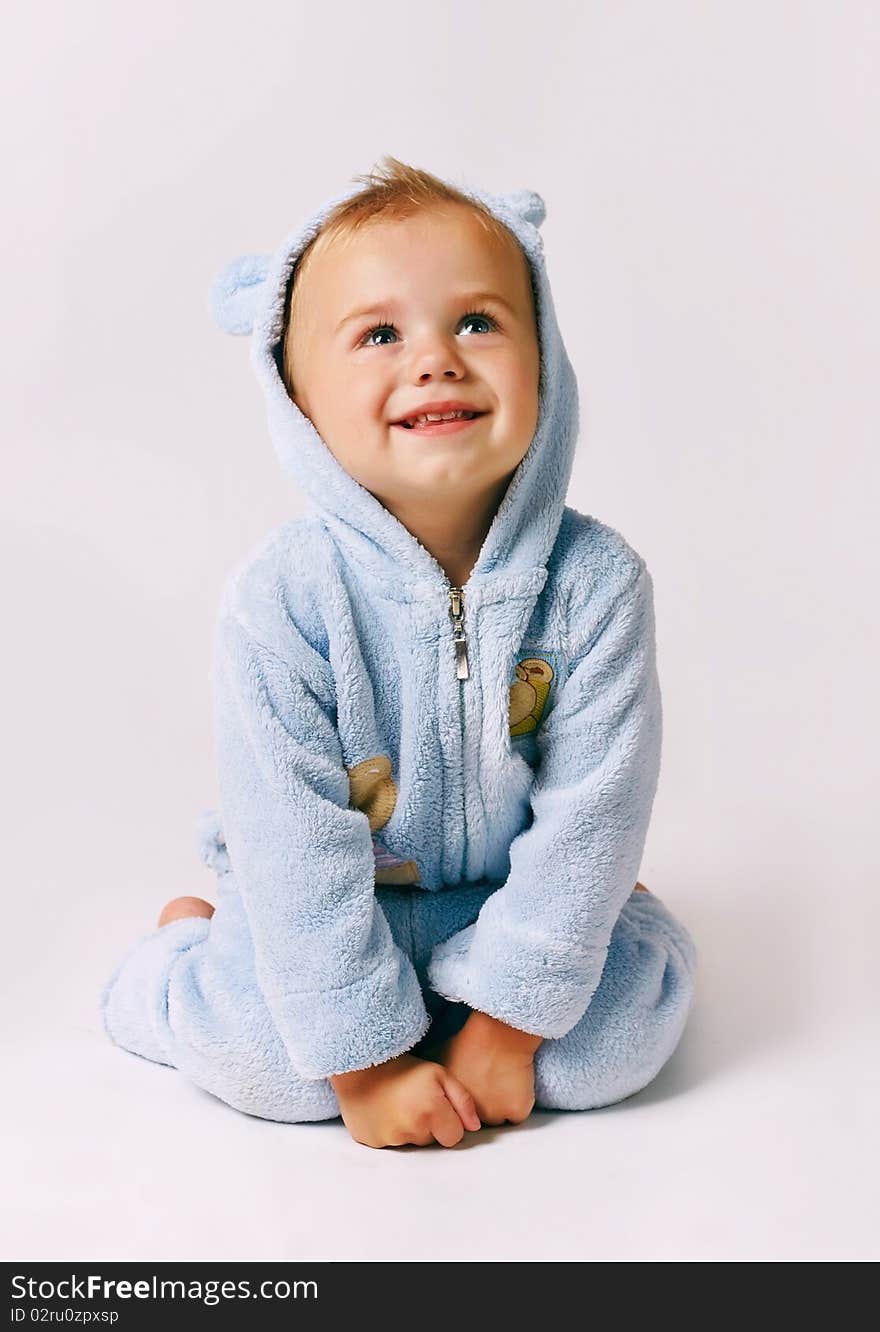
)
(457, 612)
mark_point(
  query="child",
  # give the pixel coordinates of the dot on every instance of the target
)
(437, 712)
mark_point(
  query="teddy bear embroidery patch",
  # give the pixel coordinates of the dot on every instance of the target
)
(530, 692)
(373, 791)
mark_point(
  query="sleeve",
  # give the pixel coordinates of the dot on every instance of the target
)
(341, 992)
(535, 954)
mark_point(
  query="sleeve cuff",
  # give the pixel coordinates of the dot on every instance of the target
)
(368, 1022)
(525, 987)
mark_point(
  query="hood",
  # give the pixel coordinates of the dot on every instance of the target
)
(248, 298)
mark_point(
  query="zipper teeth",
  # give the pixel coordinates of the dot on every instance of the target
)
(463, 798)
(456, 599)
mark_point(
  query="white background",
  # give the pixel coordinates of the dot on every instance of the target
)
(711, 178)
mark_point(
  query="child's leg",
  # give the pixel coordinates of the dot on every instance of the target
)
(187, 995)
(635, 1018)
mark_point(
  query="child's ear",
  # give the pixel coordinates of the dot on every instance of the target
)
(237, 291)
(528, 204)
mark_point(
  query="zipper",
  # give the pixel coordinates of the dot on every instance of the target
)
(459, 638)
(456, 603)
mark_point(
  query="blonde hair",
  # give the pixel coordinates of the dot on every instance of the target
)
(395, 190)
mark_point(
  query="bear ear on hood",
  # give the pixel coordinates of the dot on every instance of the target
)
(527, 204)
(237, 291)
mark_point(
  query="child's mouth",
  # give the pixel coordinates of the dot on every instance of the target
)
(459, 422)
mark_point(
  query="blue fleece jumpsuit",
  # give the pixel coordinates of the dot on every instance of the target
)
(431, 799)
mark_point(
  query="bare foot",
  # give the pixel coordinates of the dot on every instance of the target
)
(179, 907)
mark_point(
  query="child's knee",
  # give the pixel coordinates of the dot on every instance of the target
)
(286, 1100)
(225, 1041)
(133, 1003)
(635, 1018)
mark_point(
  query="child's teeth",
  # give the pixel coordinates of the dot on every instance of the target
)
(437, 416)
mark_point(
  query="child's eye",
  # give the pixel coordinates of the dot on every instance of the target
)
(387, 325)
(481, 314)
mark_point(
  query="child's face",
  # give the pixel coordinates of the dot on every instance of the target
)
(355, 377)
